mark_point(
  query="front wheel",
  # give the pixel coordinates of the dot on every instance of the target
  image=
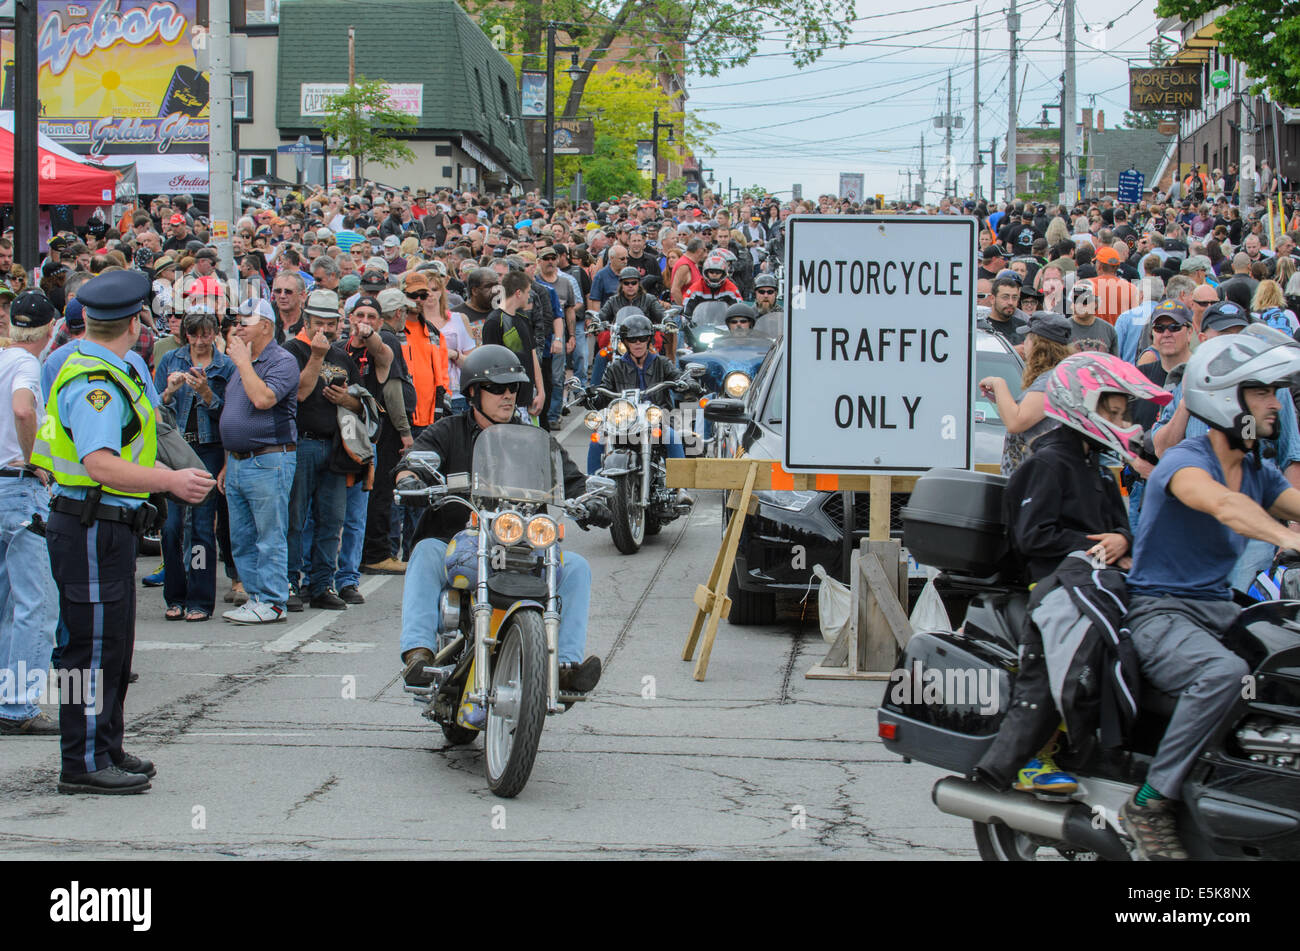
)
(628, 527)
(516, 704)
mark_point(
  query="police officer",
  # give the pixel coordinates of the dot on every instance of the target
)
(99, 440)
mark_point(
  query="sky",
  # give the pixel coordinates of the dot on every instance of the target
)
(864, 108)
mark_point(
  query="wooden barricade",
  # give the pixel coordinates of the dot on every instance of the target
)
(878, 569)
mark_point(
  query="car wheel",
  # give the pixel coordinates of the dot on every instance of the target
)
(750, 607)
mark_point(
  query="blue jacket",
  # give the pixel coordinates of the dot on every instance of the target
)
(185, 399)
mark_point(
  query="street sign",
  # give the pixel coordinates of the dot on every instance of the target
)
(1131, 184)
(879, 338)
(796, 192)
(851, 185)
(1220, 79)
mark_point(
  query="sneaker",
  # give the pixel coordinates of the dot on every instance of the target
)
(1154, 830)
(1042, 775)
(154, 580)
(39, 725)
(389, 566)
(256, 612)
(351, 594)
(580, 678)
(295, 601)
(329, 601)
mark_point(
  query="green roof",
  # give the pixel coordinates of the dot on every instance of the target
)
(468, 84)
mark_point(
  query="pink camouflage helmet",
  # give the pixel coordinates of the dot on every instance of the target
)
(1079, 382)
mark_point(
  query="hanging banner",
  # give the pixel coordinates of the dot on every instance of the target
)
(851, 185)
(645, 156)
(1166, 89)
(532, 94)
(406, 98)
(571, 137)
(120, 76)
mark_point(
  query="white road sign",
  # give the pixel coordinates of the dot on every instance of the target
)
(880, 343)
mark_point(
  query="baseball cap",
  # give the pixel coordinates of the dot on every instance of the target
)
(392, 241)
(32, 309)
(1055, 327)
(1225, 315)
(349, 284)
(1107, 255)
(7, 291)
(1174, 311)
(414, 281)
(257, 306)
(392, 299)
(993, 251)
(74, 316)
(1195, 262)
(176, 219)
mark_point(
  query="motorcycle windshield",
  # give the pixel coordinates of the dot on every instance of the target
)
(517, 462)
(718, 337)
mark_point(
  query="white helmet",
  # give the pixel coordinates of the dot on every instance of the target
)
(1221, 367)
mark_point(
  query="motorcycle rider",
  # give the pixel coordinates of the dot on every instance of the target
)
(640, 368)
(712, 285)
(1061, 500)
(1204, 499)
(490, 379)
(741, 319)
(766, 287)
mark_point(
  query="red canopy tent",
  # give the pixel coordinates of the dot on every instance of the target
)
(63, 181)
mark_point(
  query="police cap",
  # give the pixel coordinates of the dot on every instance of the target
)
(114, 295)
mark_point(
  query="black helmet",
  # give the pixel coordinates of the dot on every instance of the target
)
(492, 363)
(742, 310)
(628, 273)
(625, 312)
(636, 325)
(766, 280)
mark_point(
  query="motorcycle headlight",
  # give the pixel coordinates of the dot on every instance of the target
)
(653, 415)
(591, 420)
(621, 414)
(541, 532)
(736, 384)
(508, 527)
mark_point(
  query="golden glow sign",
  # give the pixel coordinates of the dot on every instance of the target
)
(122, 75)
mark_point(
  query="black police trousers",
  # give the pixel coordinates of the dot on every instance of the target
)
(94, 569)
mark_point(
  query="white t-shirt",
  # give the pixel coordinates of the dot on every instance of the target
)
(458, 337)
(19, 370)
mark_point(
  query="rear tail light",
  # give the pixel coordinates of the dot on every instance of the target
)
(887, 731)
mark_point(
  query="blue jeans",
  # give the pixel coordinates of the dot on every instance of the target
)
(354, 537)
(555, 398)
(189, 545)
(29, 599)
(426, 576)
(578, 359)
(324, 495)
(257, 493)
(671, 441)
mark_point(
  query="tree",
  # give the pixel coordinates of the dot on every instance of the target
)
(609, 171)
(755, 192)
(703, 38)
(1263, 35)
(675, 188)
(360, 118)
(1047, 173)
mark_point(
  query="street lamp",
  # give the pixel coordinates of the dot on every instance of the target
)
(575, 72)
(654, 171)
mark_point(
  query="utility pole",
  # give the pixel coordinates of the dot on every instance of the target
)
(947, 142)
(221, 159)
(911, 195)
(975, 141)
(1013, 26)
(1069, 139)
(654, 169)
(921, 199)
(26, 201)
(551, 50)
(352, 81)
(993, 170)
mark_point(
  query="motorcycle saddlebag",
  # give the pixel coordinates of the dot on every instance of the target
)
(945, 701)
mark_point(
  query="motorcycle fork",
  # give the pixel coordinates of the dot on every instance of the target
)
(551, 624)
(645, 467)
(482, 617)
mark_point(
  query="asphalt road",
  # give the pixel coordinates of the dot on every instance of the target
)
(282, 742)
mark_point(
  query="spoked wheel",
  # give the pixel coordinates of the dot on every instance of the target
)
(1001, 843)
(628, 527)
(516, 704)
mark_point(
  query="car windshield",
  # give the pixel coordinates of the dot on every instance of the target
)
(517, 462)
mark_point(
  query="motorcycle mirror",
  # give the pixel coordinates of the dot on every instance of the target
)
(696, 369)
(425, 459)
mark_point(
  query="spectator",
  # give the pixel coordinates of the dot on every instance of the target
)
(1047, 343)
(326, 374)
(605, 283)
(259, 433)
(1084, 318)
(1113, 294)
(288, 295)
(193, 379)
(378, 355)
(1240, 287)
(509, 328)
(1269, 305)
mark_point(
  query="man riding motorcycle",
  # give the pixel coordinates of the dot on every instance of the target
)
(766, 287)
(490, 380)
(712, 284)
(639, 369)
(741, 319)
(1204, 499)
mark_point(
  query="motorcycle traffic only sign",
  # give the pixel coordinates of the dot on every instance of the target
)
(880, 343)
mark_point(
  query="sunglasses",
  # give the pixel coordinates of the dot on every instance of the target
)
(736, 321)
(283, 290)
(765, 290)
(496, 389)
(419, 295)
(1166, 328)
(636, 339)
(630, 281)
(1204, 303)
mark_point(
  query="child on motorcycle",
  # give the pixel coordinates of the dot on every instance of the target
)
(1061, 500)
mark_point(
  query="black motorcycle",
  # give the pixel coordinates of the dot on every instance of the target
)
(1240, 801)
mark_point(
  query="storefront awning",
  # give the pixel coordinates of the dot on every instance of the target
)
(166, 174)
